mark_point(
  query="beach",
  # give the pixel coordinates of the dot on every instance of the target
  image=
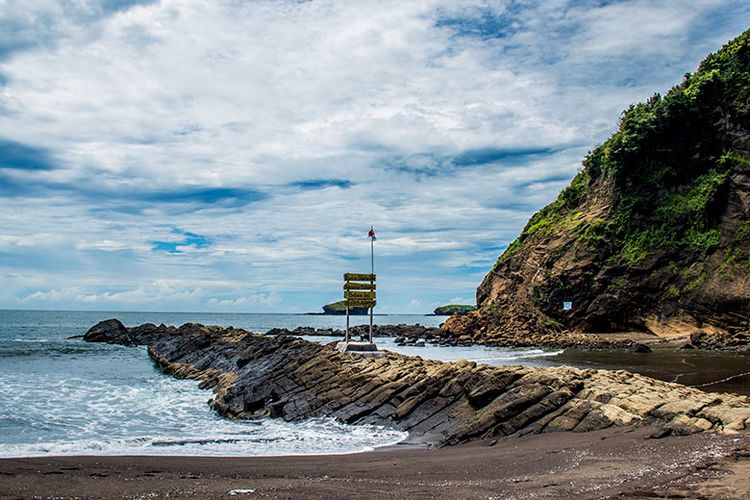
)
(620, 462)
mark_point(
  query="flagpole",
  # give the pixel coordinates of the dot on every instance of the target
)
(372, 271)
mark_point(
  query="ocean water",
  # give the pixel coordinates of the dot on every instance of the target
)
(61, 396)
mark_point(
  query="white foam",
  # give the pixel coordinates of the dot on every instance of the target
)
(155, 415)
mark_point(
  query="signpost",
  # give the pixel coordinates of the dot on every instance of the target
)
(359, 286)
(360, 291)
(359, 294)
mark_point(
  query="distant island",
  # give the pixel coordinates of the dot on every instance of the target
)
(340, 308)
(452, 309)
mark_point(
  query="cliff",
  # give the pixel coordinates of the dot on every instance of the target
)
(446, 403)
(652, 235)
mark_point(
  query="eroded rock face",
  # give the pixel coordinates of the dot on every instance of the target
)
(287, 377)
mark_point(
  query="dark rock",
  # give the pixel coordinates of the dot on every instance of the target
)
(641, 348)
(686, 345)
(111, 331)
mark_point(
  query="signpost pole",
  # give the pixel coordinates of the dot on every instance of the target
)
(346, 338)
(372, 271)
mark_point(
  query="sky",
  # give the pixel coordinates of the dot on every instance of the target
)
(231, 156)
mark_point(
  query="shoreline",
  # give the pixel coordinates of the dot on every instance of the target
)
(610, 462)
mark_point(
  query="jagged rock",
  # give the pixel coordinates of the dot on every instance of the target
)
(290, 378)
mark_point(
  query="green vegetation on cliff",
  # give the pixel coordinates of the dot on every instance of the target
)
(656, 216)
(668, 162)
(450, 309)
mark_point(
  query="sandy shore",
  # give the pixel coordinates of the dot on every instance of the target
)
(610, 463)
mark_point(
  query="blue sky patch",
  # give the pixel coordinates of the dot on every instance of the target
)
(322, 183)
(485, 23)
(18, 156)
(493, 155)
(187, 239)
(230, 197)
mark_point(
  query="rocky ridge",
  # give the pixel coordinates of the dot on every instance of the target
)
(287, 377)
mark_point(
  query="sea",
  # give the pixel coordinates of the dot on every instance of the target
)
(63, 396)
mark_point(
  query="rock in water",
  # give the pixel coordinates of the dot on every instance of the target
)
(652, 235)
(111, 331)
(288, 377)
(641, 348)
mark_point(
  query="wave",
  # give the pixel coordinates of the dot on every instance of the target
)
(312, 437)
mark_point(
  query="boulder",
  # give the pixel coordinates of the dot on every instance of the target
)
(111, 331)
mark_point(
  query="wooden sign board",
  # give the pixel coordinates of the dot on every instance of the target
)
(359, 295)
(359, 286)
(360, 302)
(358, 277)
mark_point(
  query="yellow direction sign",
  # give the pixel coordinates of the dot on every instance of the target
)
(359, 295)
(359, 286)
(358, 277)
(360, 302)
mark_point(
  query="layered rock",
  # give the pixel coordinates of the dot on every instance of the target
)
(287, 377)
(652, 235)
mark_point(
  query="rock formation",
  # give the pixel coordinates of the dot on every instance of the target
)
(652, 235)
(287, 377)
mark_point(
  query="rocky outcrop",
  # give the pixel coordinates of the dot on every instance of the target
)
(287, 377)
(652, 235)
(417, 331)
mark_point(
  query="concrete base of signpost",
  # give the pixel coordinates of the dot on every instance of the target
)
(364, 349)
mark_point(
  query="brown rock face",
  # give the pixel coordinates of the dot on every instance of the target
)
(652, 235)
(287, 377)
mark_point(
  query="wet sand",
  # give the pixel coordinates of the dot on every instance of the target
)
(621, 462)
(714, 371)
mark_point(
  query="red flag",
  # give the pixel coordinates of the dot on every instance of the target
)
(371, 234)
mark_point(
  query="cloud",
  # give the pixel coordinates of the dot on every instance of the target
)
(247, 147)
